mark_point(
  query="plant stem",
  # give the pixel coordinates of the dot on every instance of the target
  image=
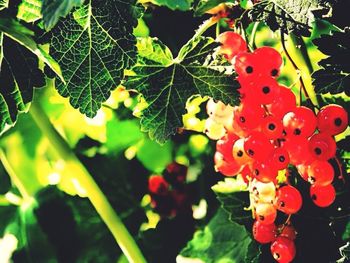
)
(302, 84)
(14, 178)
(252, 36)
(94, 193)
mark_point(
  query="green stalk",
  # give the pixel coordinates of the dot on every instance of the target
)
(94, 193)
(14, 178)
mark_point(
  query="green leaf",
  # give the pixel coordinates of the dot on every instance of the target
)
(205, 5)
(289, 15)
(234, 198)
(221, 241)
(29, 10)
(13, 29)
(4, 4)
(52, 10)
(182, 5)
(334, 76)
(94, 45)
(167, 83)
(18, 76)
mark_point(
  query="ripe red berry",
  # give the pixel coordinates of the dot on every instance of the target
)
(258, 146)
(283, 250)
(157, 185)
(232, 44)
(264, 172)
(264, 233)
(265, 213)
(280, 158)
(322, 196)
(296, 149)
(266, 89)
(249, 115)
(321, 173)
(289, 199)
(225, 145)
(227, 167)
(245, 64)
(332, 119)
(175, 173)
(322, 146)
(272, 127)
(300, 122)
(272, 61)
(284, 103)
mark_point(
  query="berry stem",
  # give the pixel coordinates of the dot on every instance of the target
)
(14, 177)
(94, 193)
(253, 34)
(341, 176)
(302, 84)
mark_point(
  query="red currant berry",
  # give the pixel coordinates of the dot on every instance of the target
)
(284, 103)
(332, 119)
(296, 149)
(249, 115)
(272, 127)
(226, 167)
(239, 155)
(232, 44)
(303, 171)
(289, 199)
(322, 196)
(300, 122)
(264, 172)
(157, 185)
(258, 146)
(264, 233)
(321, 173)
(280, 158)
(265, 213)
(263, 192)
(175, 173)
(283, 250)
(266, 89)
(245, 64)
(225, 145)
(322, 146)
(272, 61)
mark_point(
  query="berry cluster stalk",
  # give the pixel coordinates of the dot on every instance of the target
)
(94, 193)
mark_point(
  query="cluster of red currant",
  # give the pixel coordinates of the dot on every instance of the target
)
(268, 132)
(169, 193)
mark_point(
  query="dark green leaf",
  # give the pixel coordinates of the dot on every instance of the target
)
(52, 10)
(289, 15)
(94, 45)
(167, 83)
(334, 77)
(18, 76)
(221, 241)
(234, 198)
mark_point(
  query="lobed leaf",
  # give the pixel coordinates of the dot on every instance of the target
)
(221, 241)
(288, 15)
(167, 83)
(94, 45)
(334, 76)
